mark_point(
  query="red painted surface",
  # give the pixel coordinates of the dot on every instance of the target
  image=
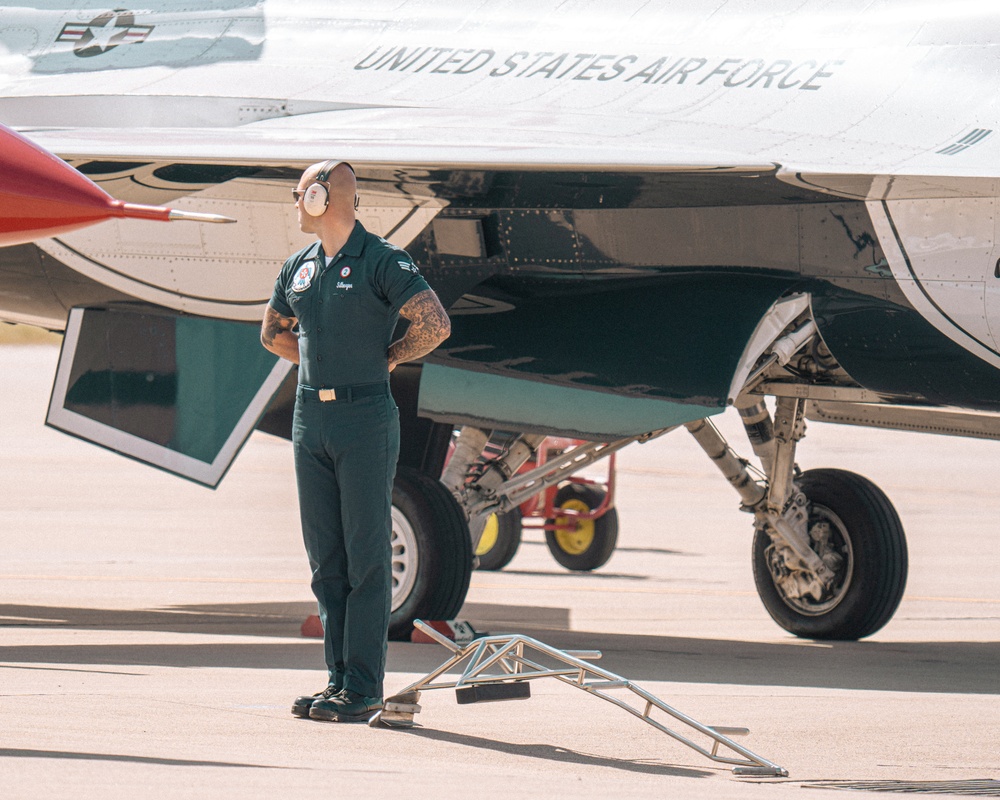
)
(440, 625)
(41, 195)
(312, 628)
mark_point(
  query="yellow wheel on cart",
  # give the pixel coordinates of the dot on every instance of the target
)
(589, 543)
(499, 541)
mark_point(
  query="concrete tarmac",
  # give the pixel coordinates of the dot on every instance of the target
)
(149, 636)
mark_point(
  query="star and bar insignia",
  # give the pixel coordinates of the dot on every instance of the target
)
(103, 33)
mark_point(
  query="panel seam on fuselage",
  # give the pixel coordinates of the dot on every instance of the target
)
(148, 285)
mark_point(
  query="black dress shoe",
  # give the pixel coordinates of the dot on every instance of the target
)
(347, 706)
(301, 706)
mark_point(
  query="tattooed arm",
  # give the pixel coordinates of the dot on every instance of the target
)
(429, 326)
(276, 335)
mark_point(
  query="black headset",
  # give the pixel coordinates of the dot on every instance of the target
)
(316, 197)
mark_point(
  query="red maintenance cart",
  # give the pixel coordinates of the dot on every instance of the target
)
(578, 517)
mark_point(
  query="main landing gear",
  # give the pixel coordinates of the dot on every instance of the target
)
(829, 554)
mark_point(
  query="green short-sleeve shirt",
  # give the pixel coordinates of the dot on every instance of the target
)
(347, 309)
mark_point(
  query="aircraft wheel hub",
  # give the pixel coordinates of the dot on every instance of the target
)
(404, 558)
(800, 588)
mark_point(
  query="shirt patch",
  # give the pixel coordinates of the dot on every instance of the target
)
(345, 272)
(342, 285)
(303, 278)
(409, 266)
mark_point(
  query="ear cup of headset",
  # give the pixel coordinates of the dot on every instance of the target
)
(315, 199)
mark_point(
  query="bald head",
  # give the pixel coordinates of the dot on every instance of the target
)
(340, 181)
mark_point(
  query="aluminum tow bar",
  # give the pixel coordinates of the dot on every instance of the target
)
(498, 668)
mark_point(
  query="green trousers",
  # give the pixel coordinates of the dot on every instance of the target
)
(345, 461)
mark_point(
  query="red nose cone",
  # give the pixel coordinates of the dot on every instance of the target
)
(41, 195)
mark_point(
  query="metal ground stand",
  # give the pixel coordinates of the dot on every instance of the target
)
(498, 669)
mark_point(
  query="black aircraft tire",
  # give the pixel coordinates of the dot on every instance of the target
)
(593, 543)
(500, 540)
(867, 531)
(431, 552)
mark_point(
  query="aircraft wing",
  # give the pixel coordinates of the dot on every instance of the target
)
(422, 137)
(410, 137)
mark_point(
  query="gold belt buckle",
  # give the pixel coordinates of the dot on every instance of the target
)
(326, 395)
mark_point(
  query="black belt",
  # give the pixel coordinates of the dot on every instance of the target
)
(345, 393)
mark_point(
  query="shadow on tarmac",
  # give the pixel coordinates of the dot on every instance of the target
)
(252, 619)
(663, 551)
(560, 754)
(170, 762)
(946, 667)
(567, 574)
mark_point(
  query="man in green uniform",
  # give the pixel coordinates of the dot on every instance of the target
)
(333, 311)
